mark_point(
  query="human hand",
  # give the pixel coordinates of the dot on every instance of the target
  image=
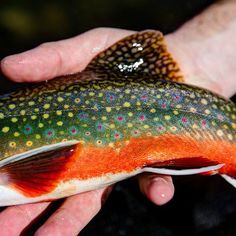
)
(47, 61)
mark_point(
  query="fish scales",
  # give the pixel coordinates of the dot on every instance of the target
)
(127, 111)
(102, 114)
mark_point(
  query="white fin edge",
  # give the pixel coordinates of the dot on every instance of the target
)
(165, 171)
(36, 151)
(230, 180)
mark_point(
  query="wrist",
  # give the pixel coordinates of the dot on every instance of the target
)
(204, 49)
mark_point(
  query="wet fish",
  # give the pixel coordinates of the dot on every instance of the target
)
(128, 112)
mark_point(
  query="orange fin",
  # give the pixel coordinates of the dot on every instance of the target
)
(184, 166)
(37, 174)
(186, 163)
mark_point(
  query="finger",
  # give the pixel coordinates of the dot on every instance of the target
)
(158, 188)
(74, 214)
(15, 219)
(59, 58)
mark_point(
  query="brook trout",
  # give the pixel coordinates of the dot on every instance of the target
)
(128, 112)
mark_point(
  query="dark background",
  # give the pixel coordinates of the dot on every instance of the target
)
(202, 205)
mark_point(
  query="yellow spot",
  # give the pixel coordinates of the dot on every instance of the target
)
(70, 114)
(130, 114)
(226, 126)
(16, 134)
(5, 129)
(66, 106)
(93, 117)
(100, 95)
(138, 103)
(127, 91)
(153, 110)
(104, 118)
(213, 123)
(111, 145)
(1, 116)
(126, 104)
(12, 106)
(82, 141)
(204, 101)
(176, 112)
(36, 110)
(14, 119)
(99, 142)
(62, 132)
(87, 102)
(108, 109)
(167, 117)
(207, 111)
(40, 125)
(173, 128)
(91, 94)
(77, 100)
(230, 136)
(59, 123)
(59, 113)
(45, 116)
(60, 99)
(29, 143)
(233, 117)
(220, 133)
(84, 125)
(130, 125)
(12, 144)
(112, 126)
(234, 125)
(31, 103)
(33, 117)
(146, 126)
(195, 126)
(158, 96)
(38, 136)
(46, 106)
(192, 109)
(22, 112)
(178, 106)
(156, 118)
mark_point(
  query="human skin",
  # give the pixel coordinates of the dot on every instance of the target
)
(204, 48)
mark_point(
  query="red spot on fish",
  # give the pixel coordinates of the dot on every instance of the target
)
(120, 118)
(50, 133)
(142, 117)
(184, 119)
(163, 105)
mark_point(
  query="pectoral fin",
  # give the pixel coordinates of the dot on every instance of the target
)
(37, 172)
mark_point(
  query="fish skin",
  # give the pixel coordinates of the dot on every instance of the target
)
(116, 103)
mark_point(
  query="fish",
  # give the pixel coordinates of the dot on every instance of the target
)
(130, 111)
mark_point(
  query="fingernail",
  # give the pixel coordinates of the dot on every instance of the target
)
(163, 190)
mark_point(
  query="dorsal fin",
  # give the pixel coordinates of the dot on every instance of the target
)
(143, 54)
